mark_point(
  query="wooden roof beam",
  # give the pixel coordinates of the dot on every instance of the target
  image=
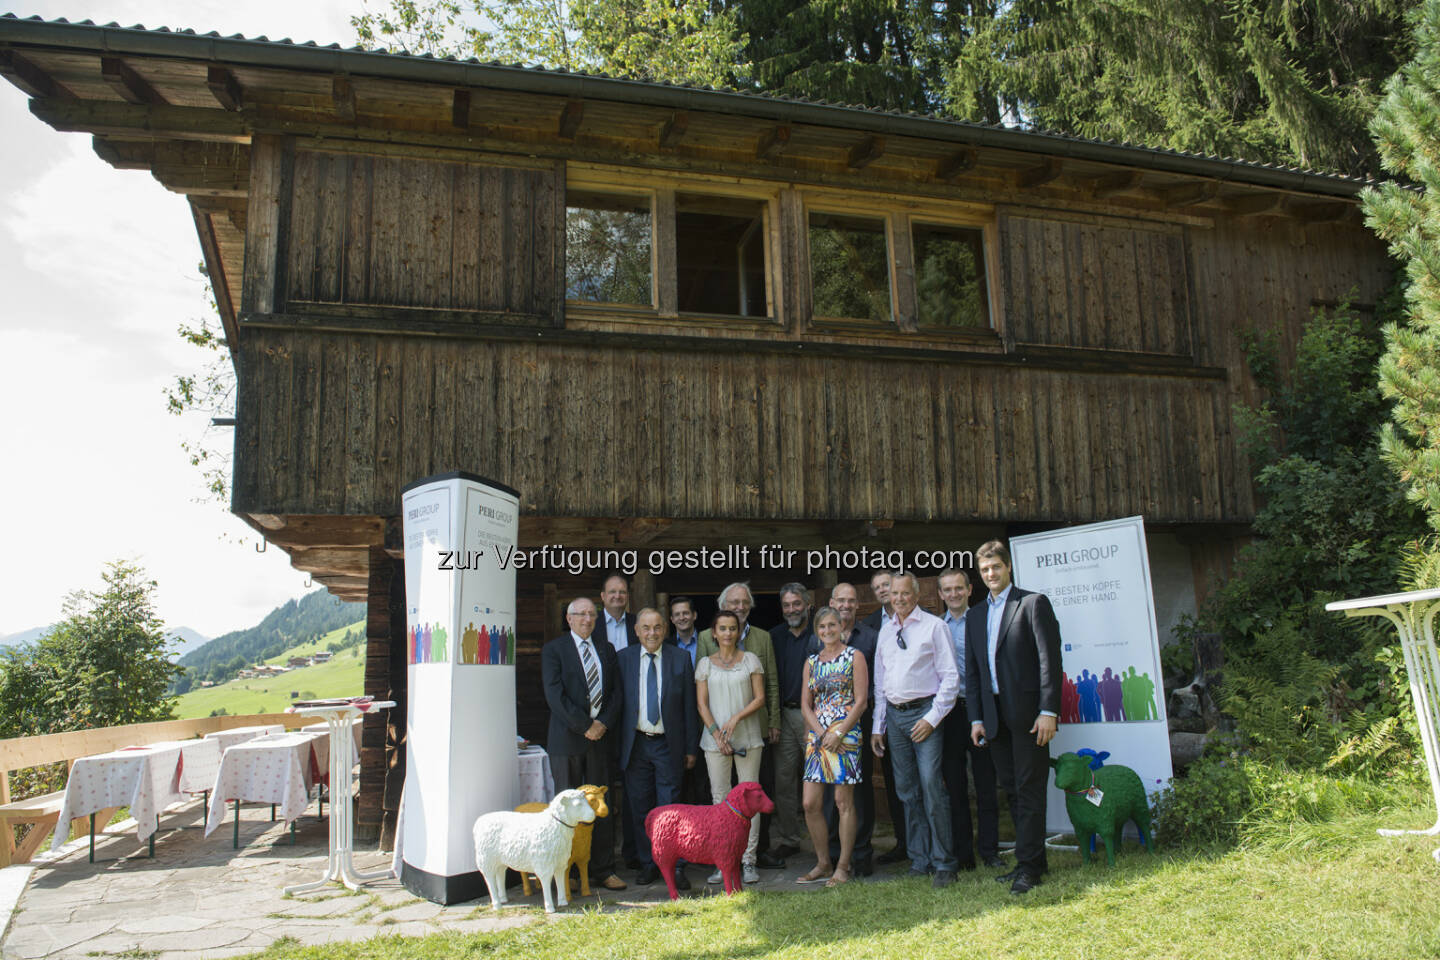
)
(460, 109)
(132, 87)
(1256, 204)
(953, 166)
(125, 155)
(1112, 183)
(1047, 172)
(224, 87)
(1333, 211)
(342, 92)
(570, 118)
(30, 78)
(865, 152)
(1189, 194)
(674, 129)
(773, 142)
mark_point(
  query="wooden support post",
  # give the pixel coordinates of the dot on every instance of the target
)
(642, 590)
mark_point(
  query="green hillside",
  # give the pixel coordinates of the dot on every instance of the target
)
(320, 643)
(343, 676)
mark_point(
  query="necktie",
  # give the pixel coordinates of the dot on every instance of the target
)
(652, 691)
(592, 676)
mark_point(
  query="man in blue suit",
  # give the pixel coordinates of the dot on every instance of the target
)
(659, 729)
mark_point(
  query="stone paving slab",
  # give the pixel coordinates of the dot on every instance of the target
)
(200, 899)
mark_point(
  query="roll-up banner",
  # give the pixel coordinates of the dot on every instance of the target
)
(1112, 698)
(460, 758)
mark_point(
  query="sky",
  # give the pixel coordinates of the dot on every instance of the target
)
(98, 267)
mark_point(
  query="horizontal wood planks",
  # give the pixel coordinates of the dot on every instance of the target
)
(617, 432)
(403, 231)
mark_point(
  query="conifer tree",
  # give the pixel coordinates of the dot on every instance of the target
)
(1407, 215)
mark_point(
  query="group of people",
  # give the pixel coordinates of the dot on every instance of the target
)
(668, 713)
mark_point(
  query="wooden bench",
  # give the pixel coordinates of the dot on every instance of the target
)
(41, 812)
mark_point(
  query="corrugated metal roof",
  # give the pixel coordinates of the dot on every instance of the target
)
(309, 55)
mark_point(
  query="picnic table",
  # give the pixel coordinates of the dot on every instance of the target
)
(279, 769)
(147, 779)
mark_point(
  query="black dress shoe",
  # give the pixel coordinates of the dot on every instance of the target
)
(896, 855)
(785, 850)
(769, 861)
(943, 879)
(1009, 877)
(864, 866)
(682, 882)
(648, 875)
(992, 861)
(918, 872)
(1024, 882)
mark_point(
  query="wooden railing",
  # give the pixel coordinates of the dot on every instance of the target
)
(23, 752)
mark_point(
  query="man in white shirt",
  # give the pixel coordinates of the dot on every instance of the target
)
(615, 624)
(916, 684)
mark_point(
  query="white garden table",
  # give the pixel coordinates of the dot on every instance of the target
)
(143, 778)
(1413, 615)
(340, 866)
(279, 769)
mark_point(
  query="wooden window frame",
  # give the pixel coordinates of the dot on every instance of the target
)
(662, 189)
(900, 213)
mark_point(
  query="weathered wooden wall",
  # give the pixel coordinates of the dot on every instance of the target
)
(334, 422)
(1094, 282)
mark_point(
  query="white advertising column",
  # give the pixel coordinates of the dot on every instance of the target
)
(1112, 697)
(460, 758)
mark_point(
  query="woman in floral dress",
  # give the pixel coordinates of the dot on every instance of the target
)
(832, 702)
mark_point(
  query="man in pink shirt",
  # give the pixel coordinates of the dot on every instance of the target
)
(916, 683)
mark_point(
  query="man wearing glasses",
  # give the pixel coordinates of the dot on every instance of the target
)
(916, 683)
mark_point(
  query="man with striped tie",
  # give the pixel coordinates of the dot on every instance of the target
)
(583, 693)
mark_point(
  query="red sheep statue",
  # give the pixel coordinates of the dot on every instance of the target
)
(706, 834)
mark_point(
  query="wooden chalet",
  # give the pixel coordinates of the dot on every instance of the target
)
(676, 317)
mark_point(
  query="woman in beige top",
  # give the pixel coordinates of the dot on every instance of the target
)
(730, 693)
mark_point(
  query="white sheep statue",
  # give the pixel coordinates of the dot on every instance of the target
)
(537, 843)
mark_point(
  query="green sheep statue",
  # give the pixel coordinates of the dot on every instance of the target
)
(1099, 801)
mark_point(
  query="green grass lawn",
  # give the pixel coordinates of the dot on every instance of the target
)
(1333, 890)
(343, 676)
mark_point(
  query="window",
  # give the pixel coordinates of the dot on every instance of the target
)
(849, 267)
(607, 248)
(720, 255)
(950, 276)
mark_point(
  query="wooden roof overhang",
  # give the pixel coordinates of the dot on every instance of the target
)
(185, 107)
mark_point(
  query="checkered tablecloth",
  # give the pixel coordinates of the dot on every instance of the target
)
(146, 779)
(279, 769)
(199, 762)
(537, 783)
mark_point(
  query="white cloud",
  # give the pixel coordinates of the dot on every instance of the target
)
(97, 269)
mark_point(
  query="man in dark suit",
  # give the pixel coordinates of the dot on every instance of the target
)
(614, 623)
(618, 627)
(659, 729)
(961, 755)
(582, 690)
(1012, 680)
(880, 586)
